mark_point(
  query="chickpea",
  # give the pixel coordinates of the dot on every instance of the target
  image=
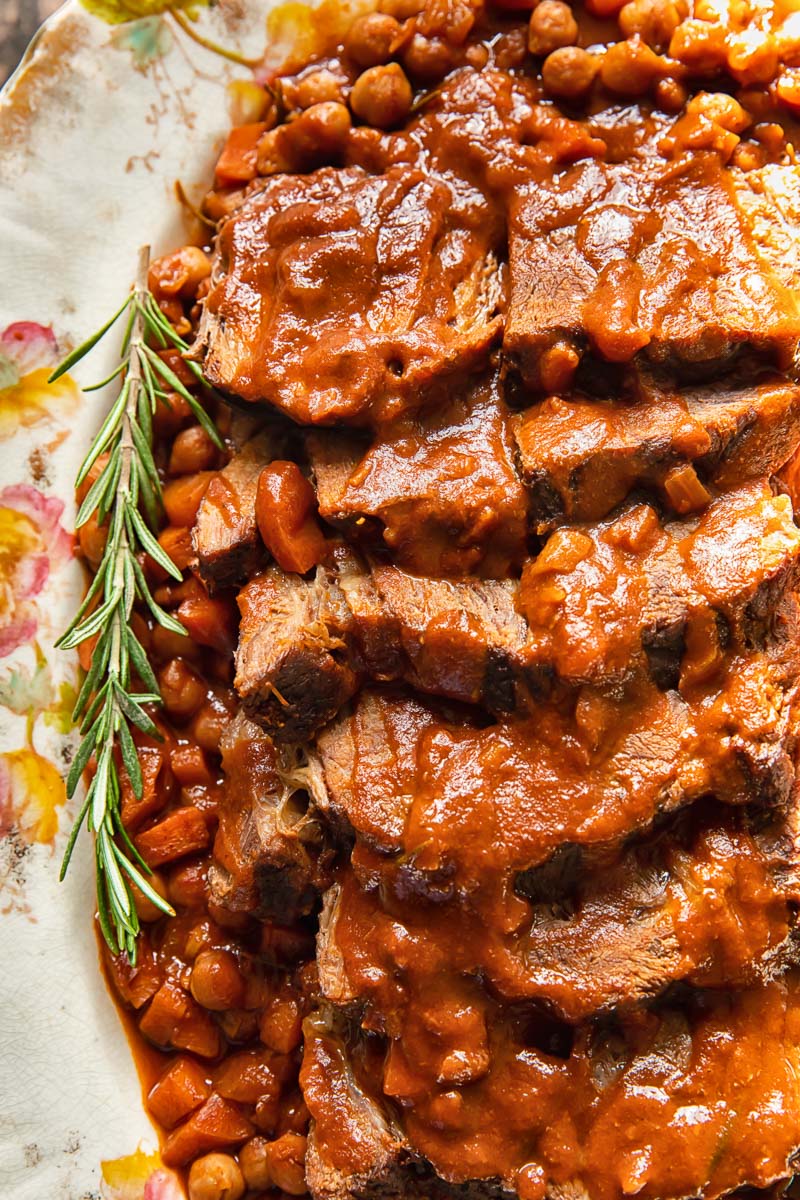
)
(286, 1159)
(569, 72)
(254, 1162)
(753, 57)
(271, 153)
(551, 26)
(700, 45)
(382, 96)
(216, 1177)
(182, 689)
(428, 59)
(321, 132)
(671, 95)
(209, 725)
(192, 450)
(145, 907)
(318, 87)
(371, 39)
(788, 89)
(630, 68)
(721, 109)
(216, 981)
(654, 21)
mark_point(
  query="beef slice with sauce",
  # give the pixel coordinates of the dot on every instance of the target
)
(439, 490)
(225, 534)
(604, 1093)
(580, 457)
(643, 255)
(599, 604)
(268, 859)
(708, 899)
(469, 808)
(343, 296)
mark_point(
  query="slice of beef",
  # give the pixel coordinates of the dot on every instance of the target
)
(641, 255)
(600, 604)
(601, 597)
(709, 899)
(581, 457)
(267, 856)
(292, 668)
(225, 535)
(478, 805)
(605, 1094)
(345, 296)
(440, 489)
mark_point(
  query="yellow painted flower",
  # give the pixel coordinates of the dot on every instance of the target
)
(31, 792)
(138, 1176)
(32, 542)
(116, 12)
(28, 353)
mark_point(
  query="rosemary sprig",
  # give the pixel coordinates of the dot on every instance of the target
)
(127, 494)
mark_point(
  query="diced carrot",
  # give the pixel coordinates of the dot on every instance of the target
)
(215, 1126)
(187, 884)
(181, 832)
(180, 1090)
(171, 414)
(158, 787)
(247, 1077)
(191, 768)
(286, 515)
(176, 540)
(211, 621)
(182, 497)
(174, 1019)
(280, 1024)
(175, 361)
(135, 985)
(238, 161)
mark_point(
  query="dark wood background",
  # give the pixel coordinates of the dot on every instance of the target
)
(19, 20)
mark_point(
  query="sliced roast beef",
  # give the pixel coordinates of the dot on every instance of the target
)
(575, 1119)
(292, 669)
(599, 604)
(708, 899)
(440, 488)
(646, 254)
(267, 858)
(225, 535)
(468, 808)
(345, 296)
(581, 457)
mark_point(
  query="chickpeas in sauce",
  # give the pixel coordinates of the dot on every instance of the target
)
(221, 991)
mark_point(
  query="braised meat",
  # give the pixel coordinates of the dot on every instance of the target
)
(709, 900)
(580, 457)
(580, 1115)
(599, 603)
(416, 295)
(264, 859)
(225, 535)
(628, 235)
(440, 491)
(478, 805)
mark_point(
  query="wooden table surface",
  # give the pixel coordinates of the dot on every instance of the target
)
(19, 20)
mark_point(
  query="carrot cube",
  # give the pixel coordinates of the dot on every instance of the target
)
(210, 621)
(247, 1077)
(175, 1019)
(180, 1090)
(216, 1126)
(157, 787)
(181, 832)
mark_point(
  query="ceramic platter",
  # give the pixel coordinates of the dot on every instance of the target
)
(115, 102)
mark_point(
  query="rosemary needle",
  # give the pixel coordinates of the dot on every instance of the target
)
(125, 492)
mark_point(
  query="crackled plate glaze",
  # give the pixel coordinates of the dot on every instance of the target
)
(114, 102)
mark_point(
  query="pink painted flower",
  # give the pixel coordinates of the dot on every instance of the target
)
(28, 353)
(32, 543)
